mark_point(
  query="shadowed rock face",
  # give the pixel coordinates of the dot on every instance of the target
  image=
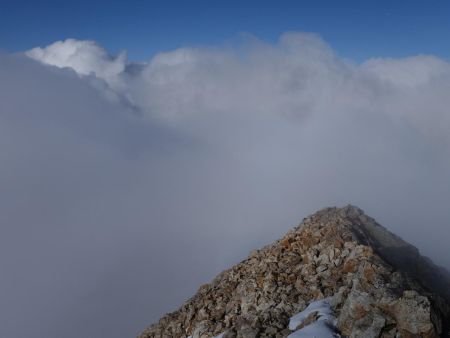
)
(400, 254)
(380, 286)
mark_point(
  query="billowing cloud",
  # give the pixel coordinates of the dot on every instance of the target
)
(128, 185)
(85, 57)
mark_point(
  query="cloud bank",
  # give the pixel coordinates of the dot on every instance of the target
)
(127, 185)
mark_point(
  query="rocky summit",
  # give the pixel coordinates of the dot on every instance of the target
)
(338, 274)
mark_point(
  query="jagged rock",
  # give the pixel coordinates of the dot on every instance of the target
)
(380, 286)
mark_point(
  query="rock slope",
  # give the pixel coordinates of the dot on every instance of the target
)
(377, 286)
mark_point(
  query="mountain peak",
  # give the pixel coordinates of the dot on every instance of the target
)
(337, 260)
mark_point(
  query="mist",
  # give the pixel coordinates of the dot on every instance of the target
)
(126, 185)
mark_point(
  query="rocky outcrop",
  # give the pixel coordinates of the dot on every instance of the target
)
(378, 286)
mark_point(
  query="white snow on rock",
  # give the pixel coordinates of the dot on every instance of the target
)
(323, 327)
(315, 330)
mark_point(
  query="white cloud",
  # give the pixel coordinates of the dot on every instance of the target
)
(408, 72)
(297, 77)
(231, 146)
(85, 57)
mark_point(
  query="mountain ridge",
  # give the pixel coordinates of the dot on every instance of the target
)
(377, 284)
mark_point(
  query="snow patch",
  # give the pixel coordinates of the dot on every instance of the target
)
(316, 330)
(323, 327)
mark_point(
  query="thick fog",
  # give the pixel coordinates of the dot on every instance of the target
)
(125, 186)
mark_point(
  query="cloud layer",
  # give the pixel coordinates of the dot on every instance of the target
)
(127, 185)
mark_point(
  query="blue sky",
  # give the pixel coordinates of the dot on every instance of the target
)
(355, 29)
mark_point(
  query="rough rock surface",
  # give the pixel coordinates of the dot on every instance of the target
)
(380, 285)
